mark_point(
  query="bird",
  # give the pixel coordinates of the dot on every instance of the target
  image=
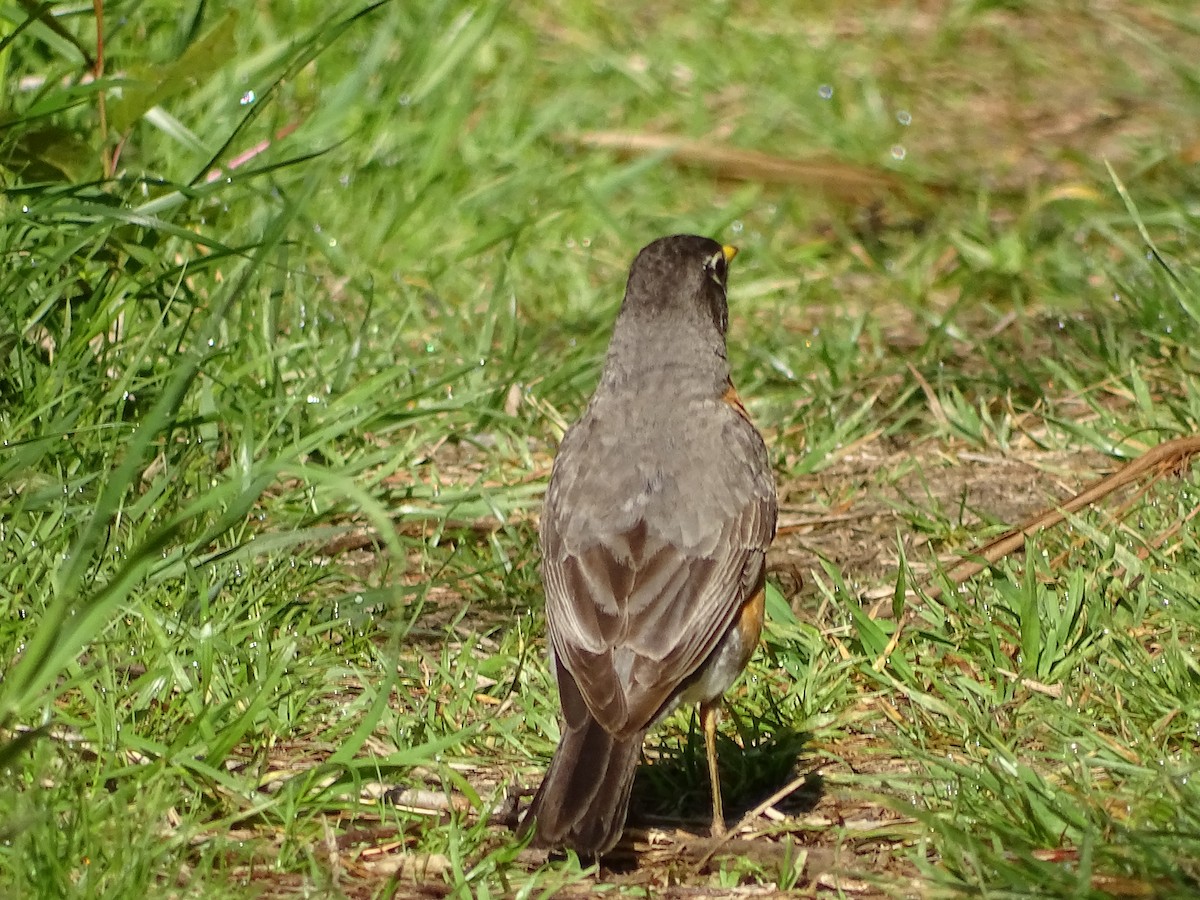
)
(653, 535)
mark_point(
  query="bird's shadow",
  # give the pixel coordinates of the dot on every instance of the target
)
(672, 789)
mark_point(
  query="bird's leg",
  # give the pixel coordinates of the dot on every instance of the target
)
(709, 713)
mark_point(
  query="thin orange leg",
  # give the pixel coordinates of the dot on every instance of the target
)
(709, 713)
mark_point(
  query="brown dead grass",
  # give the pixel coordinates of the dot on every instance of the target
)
(851, 513)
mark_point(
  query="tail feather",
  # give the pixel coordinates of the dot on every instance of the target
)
(584, 798)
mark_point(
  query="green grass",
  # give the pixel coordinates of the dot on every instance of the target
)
(280, 388)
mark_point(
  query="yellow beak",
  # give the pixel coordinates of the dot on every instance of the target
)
(730, 252)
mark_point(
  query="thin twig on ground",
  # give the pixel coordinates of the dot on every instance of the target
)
(1167, 456)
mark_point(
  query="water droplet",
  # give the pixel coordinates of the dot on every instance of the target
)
(825, 91)
(904, 117)
(898, 152)
(248, 98)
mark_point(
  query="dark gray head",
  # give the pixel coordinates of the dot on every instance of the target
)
(681, 277)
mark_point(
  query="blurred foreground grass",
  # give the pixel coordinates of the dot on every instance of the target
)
(287, 336)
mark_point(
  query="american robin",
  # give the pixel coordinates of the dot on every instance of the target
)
(654, 536)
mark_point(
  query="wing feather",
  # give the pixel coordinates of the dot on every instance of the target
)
(633, 612)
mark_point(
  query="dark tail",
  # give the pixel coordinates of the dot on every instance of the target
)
(584, 797)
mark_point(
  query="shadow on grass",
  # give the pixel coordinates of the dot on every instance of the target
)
(673, 789)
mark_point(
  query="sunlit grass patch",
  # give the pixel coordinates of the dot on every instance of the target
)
(288, 339)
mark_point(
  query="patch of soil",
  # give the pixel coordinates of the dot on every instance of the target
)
(869, 498)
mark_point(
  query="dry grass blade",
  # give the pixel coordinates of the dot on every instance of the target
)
(1173, 454)
(1167, 456)
(844, 181)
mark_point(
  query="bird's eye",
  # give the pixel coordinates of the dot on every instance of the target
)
(717, 267)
